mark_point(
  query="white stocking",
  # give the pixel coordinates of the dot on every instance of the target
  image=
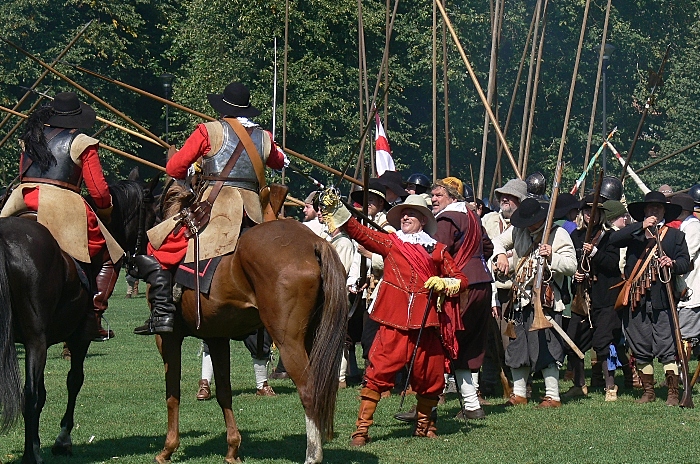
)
(465, 385)
(520, 380)
(551, 381)
(260, 368)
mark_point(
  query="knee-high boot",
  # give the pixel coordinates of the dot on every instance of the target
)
(105, 281)
(365, 416)
(425, 424)
(160, 296)
(648, 385)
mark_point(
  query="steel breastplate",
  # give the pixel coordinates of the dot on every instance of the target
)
(65, 170)
(242, 174)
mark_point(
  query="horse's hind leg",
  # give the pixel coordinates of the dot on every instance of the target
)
(220, 351)
(34, 399)
(294, 352)
(76, 376)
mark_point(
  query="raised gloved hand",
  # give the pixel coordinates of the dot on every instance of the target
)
(447, 285)
(334, 213)
(105, 214)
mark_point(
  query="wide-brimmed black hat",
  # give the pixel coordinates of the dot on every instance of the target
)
(375, 187)
(565, 203)
(392, 180)
(529, 213)
(235, 101)
(671, 211)
(70, 113)
(685, 201)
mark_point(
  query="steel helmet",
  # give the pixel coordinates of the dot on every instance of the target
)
(695, 193)
(421, 182)
(468, 193)
(536, 185)
(611, 188)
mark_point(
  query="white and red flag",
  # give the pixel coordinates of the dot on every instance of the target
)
(382, 155)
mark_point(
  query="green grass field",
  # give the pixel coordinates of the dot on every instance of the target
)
(121, 417)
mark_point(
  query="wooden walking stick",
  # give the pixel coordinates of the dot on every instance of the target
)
(415, 349)
(87, 92)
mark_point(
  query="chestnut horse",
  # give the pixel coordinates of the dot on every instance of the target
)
(44, 301)
(281, 276)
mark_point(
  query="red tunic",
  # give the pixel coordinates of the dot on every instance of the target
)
(97, 188)
(402, 296)
(399, 308)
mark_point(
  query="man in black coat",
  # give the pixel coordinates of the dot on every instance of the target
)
(647, 320)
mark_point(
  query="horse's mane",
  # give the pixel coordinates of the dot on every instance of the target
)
(177, 196)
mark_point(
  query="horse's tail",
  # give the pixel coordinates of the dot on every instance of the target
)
(327, 328)
(10, 382)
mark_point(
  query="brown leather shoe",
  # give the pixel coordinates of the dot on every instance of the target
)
(482, 401)
(342, 385)
(548, 402)
(204, 392)
(266, 390)
(473, 415)
(649, 394)
(515, 400)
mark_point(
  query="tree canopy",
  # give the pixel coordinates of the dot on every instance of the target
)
(207, 44)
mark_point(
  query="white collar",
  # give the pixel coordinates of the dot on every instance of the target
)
(245, 122)
(459, 206)
(419, 238)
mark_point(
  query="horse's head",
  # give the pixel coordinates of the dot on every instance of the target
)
(133, 214)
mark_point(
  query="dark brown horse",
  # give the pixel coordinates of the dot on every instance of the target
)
(42, 302)
(284, 277)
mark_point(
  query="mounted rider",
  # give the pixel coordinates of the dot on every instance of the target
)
(234, 150)
(55, 160)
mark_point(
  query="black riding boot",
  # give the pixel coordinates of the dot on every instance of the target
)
(160, 296)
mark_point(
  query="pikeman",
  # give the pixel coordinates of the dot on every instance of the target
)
(594, 321)
(55, 160)
(533, 351)
(646, 318)
(414, 263)
(225, 146)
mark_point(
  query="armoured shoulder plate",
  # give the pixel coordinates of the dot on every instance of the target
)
(65, 170)
(242, 174)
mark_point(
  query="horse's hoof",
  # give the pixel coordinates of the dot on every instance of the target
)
(62, 450)
(233, 461)
(160, 459)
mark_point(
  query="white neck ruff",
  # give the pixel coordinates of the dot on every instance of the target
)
(419, 238)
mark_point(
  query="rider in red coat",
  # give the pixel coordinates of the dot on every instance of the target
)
(413, 263)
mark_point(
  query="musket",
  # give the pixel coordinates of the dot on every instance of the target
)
(106, 147)
(666, 278)
(591, 162)
(540, 322)
(632, 174)
(579, 305)
(656, 82)
(38, 81)
(99, 118)
(86, 92)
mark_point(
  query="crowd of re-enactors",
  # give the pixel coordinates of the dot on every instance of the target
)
(446, 292)
(447, 306)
